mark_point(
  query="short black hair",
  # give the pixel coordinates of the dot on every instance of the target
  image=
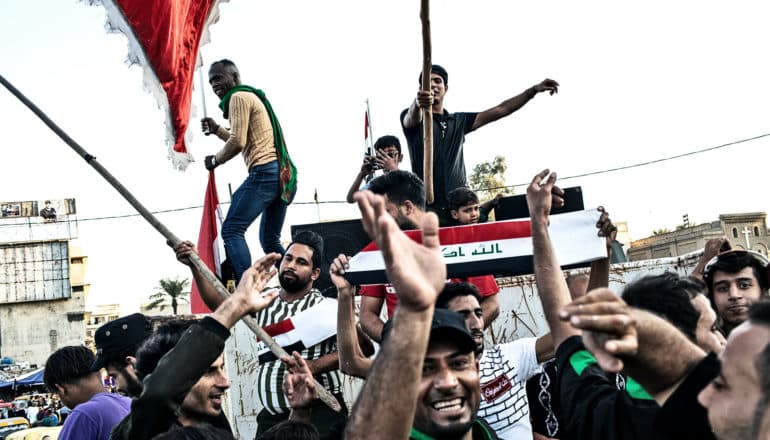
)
(204, 431)
(291, 430)
(313, 241)
(669, 296)
(224, 62)
(388, 141)
(67, 365)
(400, 186)
(461, 196)
(453, 290)
(158, 344)
(734, 262)
(438, 70)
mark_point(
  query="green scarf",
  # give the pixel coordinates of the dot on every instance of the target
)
(288, 172)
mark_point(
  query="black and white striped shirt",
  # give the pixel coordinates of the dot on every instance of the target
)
(270, 374)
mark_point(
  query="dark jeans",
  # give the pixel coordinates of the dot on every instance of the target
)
(322, 417)
(259, 194)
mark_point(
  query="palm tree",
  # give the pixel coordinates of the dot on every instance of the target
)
(174, 289)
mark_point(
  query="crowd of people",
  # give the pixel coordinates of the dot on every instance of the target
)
(39, 410)
(650, 362)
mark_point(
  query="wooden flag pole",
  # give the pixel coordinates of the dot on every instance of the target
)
(427, 113)
(250, 322)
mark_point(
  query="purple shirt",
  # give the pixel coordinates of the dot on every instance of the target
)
(93, 420)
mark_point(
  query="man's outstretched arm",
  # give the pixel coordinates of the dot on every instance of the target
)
(643, 345)
(543, 193)
(509, 106)
(385, 407)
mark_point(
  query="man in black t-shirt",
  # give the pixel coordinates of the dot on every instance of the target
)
(449, 130)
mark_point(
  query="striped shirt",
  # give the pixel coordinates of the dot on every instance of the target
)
(249, 126)
(270, 374)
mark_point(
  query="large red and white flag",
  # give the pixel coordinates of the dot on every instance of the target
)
(502, 248)
(163, 38)
(211, 248)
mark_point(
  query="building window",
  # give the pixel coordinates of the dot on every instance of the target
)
(735, 232)
(76, 260)
(756, 231)
(77, 288)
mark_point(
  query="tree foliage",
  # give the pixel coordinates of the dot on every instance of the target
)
(169, 293)
(488, 179)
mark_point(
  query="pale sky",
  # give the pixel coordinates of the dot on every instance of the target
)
(639, 81)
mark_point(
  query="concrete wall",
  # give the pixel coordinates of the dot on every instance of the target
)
(30, 332)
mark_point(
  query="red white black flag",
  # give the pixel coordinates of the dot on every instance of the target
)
(502, 248)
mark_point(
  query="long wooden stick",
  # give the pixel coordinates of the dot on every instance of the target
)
(250, 322)
(427, 113)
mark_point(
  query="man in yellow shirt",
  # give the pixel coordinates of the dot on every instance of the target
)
(271, 183)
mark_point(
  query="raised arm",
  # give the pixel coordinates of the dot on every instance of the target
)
(509, 106)
(370, 317)
(713, 247)
(208, 294)
(366, 169)
(644, 346)
(352, 358)
(600, 269)
(179, 369)
(543, 193)
(386, 405)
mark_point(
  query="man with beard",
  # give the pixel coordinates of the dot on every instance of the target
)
(116, 345)
(424, 384)
(300, 267)
(503, 368)
(404, 195)
(182, 366)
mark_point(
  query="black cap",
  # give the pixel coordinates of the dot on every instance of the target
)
(118, 335)
(438, 70)
(446, 324)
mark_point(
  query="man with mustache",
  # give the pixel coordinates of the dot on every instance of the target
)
(503, 368)
(299, 268)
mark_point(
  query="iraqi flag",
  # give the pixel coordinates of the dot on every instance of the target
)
(163, 38)
(502, 248)
(211, 248)
(305, 329)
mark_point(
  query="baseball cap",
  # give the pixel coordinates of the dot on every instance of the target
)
(118, 335)
(446, 324)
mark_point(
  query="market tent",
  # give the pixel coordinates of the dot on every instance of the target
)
(31, 378)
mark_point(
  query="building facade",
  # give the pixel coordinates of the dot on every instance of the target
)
(43, 289)
(747, 231)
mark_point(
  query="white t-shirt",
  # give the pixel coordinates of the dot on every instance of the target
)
(503, 373)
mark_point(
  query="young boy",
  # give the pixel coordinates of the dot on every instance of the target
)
(387, 157)
(465, 209)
